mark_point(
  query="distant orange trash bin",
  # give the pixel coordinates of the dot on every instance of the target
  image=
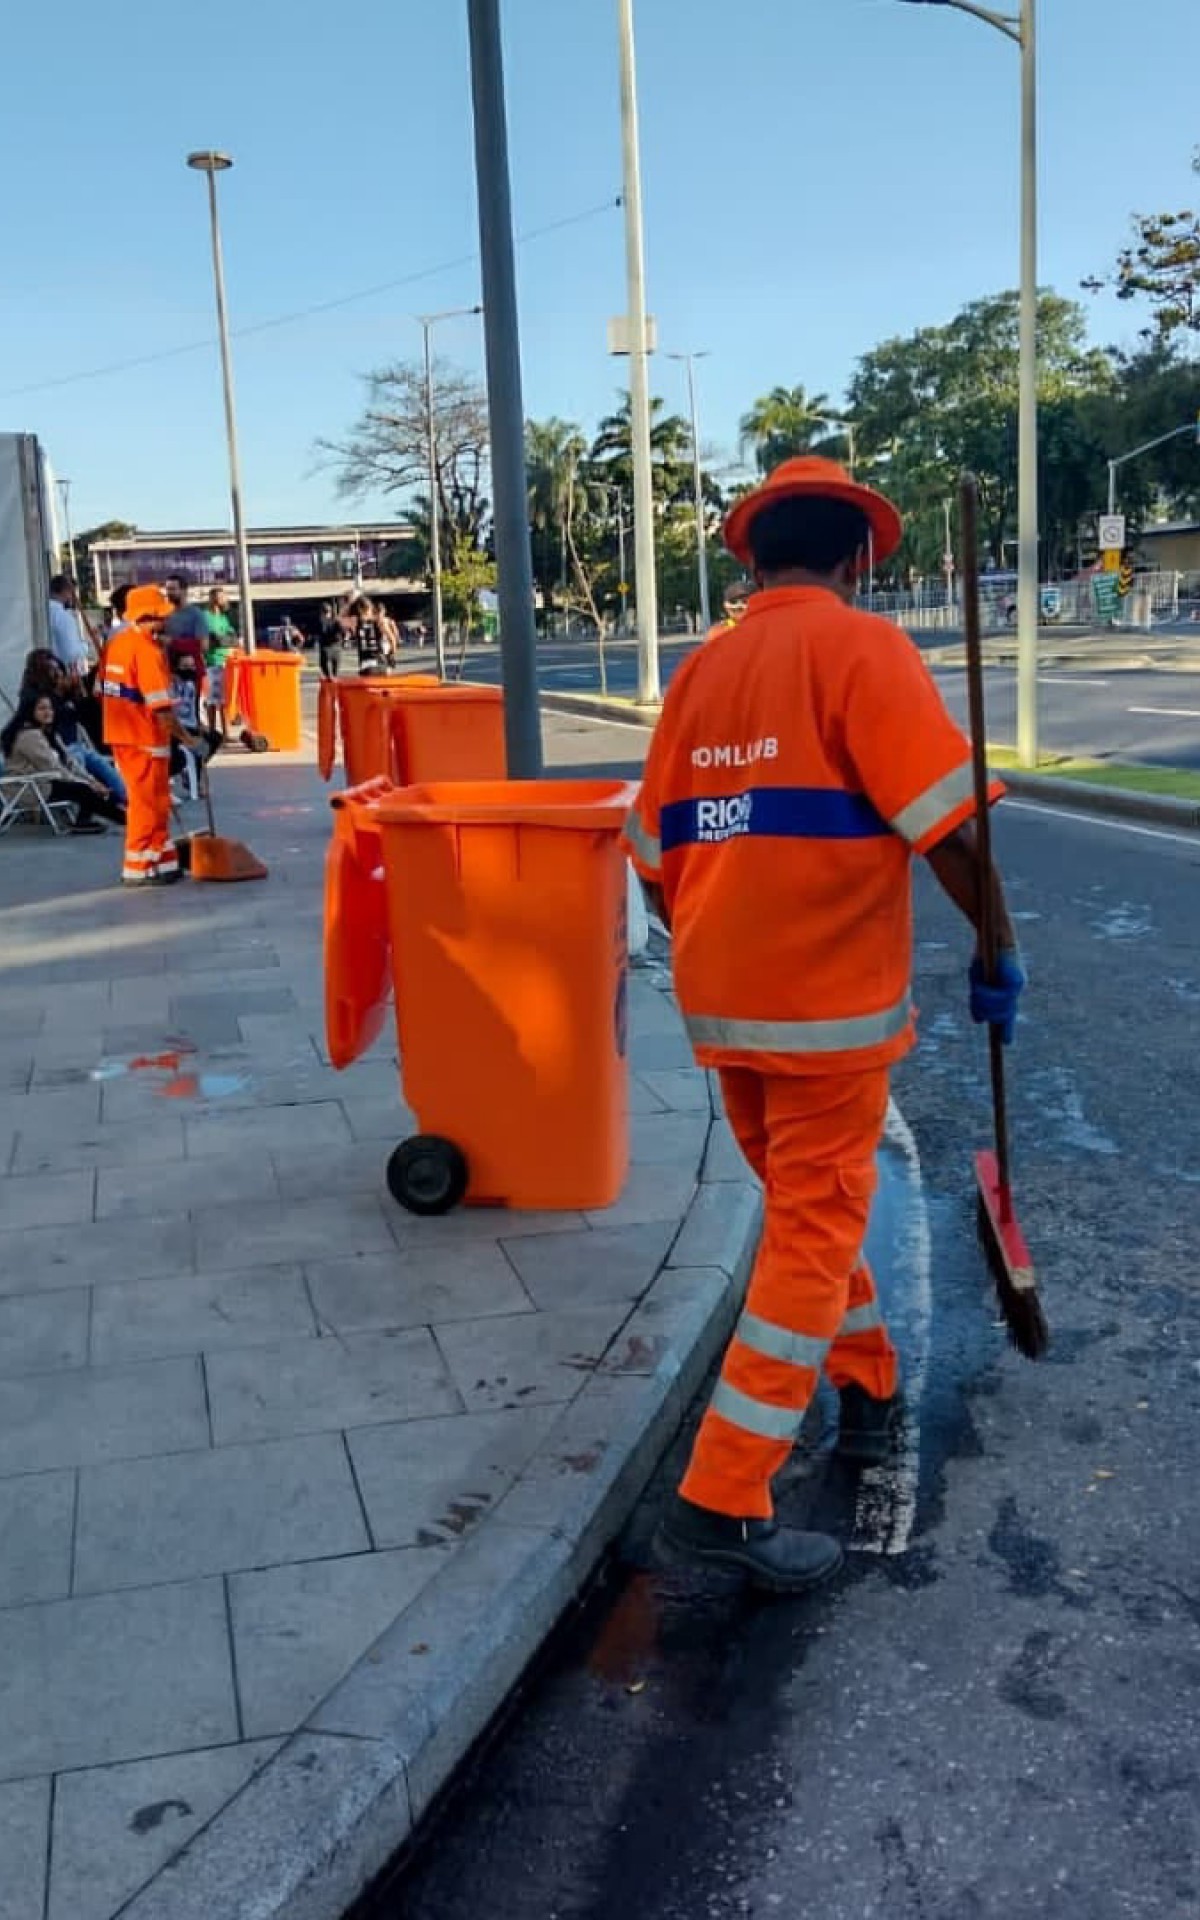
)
(506, 922)
(355, 711)
(264, 688)
(447, 733)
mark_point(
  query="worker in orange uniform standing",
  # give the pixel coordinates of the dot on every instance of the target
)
(139, 724)
(801, 759)
(733, 606)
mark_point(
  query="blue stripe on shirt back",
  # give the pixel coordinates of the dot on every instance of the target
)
(784, 813)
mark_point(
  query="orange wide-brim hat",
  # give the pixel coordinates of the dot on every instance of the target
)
(825, 480)
(147, 603)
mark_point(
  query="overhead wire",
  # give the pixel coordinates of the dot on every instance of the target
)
(304, 313)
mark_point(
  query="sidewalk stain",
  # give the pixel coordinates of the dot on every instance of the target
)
(173, 1082)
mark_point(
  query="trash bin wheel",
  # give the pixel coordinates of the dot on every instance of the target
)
(427, 1174)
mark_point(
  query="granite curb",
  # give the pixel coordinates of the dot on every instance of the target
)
(311, 1830)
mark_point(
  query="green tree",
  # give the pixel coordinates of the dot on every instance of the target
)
(1161, 265)
(79, 562)
(611, 456)
(555, 452)
(786, 422)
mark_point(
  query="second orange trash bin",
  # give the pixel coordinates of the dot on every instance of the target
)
(264, 687)
(506, 913)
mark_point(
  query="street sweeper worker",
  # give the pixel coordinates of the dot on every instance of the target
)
(801, 760)
(139, 724)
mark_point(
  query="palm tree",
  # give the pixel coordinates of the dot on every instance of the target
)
(554, 453)
(785, 422)
(670, 452)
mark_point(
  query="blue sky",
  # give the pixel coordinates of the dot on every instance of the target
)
(842, 171)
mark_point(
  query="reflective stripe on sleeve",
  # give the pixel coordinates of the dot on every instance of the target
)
(117, 690)
(779, 1343)
(161, 699)
(930, 808)
(647, 848)
(862, 1319)
(755, 1416)
(799, 1036)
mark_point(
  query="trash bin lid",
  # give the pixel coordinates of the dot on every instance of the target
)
(586, 804)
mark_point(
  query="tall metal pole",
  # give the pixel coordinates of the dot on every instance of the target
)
(689, 361)
(211, 164)
(506, 410)
(649, 686)
(435, 516)
(1027, 455)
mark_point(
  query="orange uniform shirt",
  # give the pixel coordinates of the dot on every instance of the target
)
(135, 685)
(800, 760)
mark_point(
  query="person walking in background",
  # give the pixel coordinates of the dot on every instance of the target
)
(733, 606)
(67, 643)
(330, 638)
(186, 630)
(221, 641)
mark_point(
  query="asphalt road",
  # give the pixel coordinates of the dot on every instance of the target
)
(998, 1720)
(1140, 715)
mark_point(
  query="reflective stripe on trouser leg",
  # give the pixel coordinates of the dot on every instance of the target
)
(822, 1132)
(861, 1353)
(148, 845)
(742, 1094)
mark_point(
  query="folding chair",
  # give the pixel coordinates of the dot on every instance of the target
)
(28, 797)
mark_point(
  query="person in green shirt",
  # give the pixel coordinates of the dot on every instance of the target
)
(222, 639)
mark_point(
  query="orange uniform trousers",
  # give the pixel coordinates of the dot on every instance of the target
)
(149, 848)
(811, 1303)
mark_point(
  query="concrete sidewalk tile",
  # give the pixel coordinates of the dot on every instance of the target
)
(47, 1258)
(415, 1288)
(599, 1264)
(664, 1051)
(264, 1130)
(379, 1117)
(271, 1233)
(596, 1459)
(230, 1001)
(41, 1332)
(24, 1848)
(650, 1193)
(140, 1000)
(114, 1677)
(154, 1141)
(47, 1199)
(114, 1827)
(721, 1228)
(350, 1168)
(668, 1139)
(458, 1229)
(425, 1481)
(299, 1842)
(297, 1630)
(436, 1677)
(142, 1522)
(198, 1313)
(685, 1306)
(312, 1386)
(70, 1113)
(16, 1068)
(88, 1415)
(528, 1359)
(725, 1159)
(37, 1518)
(206, 959)
(185, 1186)
(683, 1089)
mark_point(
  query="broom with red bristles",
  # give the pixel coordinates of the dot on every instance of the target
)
(1003, 1243)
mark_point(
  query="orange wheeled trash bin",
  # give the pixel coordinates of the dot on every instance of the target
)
(357, 710)
(264, 687)
(506, 917)
(447, 733)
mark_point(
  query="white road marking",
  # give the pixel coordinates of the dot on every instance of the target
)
(1172, 713)
(1070, 680)
(886, 1509)
(1084, 819)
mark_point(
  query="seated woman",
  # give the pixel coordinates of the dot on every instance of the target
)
(29, 744)
(43, 674)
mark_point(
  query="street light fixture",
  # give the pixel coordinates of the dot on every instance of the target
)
(212, 164)
(1021, 28)
(689, 361)
(427, 322)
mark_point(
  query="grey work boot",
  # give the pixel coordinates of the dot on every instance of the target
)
(867, 1428)
(781, 1559)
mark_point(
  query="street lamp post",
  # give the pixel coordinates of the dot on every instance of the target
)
(1022, 29)
(212, 164)
(649, 688)
(506, 410)
(689, 361)
(427, 322)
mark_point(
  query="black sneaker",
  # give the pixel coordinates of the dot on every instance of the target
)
(89, 826)
(781, 1559)
(867, 1427)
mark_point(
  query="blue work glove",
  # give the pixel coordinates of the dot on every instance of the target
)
(997, 1004)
